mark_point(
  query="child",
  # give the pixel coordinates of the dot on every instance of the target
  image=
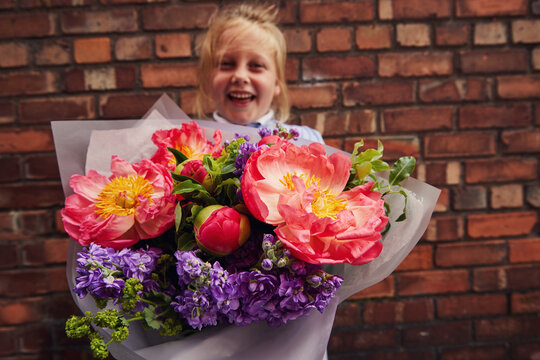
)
(242, 70)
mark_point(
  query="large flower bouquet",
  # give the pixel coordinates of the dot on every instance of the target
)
(203, 233)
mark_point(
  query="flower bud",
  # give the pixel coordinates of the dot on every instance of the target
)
(220, 230)
(267, 264)
(195, 170)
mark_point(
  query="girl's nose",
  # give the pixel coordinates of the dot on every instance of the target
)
(240, 75)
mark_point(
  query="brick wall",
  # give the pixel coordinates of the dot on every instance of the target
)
(455, 83)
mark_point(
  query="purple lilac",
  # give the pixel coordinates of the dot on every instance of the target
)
(244, 152)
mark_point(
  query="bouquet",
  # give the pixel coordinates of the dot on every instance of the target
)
(193, 234)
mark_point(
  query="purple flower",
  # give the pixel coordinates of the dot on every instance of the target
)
(188, 266)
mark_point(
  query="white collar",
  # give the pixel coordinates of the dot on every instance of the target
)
(263, 120)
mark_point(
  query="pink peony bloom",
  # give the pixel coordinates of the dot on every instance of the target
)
(190, 140)
(134, 203)
(300, 190)
(220, 230)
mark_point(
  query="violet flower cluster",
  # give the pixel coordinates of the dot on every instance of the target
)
(275, 288)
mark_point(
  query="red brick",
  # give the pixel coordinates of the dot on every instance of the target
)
(384, 288)
(9, 343)
(187, 103)
(489, 8)
(347, 314)
(526, 31)
(341, 123)
(25, 140)
(518, 87)
(443, 202)
(489, 279)
(373, 37)
(444, 228)
(36, 338)
(287, 13)
(291, 70)
(453, 90)
(416, 35)
(166, 75)
(53, 3)
(27, 83)
(501, 224)
(337, 12)
(525, 303)
(21, 311)
(507, 169)
(313, 96)
(173, 45)
(298, 40)
(487, 116)
(507, 328)
(65, 108)
(475, 352)
(523, 141)
(346, 67)
(118, 2)
(432, 282)
(416, 119)
(525, 350)
(469, 198)
(53, 52)
(461, 144)
(30, 195)
(7, 4)
(126, 106)
(401, 354)
(523, 277)
(41, 167)
(9, 256)
(451, 34)
(524, 250)
(415, 64)
(391, 312)
(133, 48)
(89, 22)
(447, 333)
(471, 306)
(493, 61)
(23, 25)
(443, 173)
(32, 282)
(377, 93)
(192, 16)
(507, 196)
(492, 33)
(394, 148)
(470, 254)
(35, 222)
(11, 169)
(7, 112)
(414, 9)
(537, 112)
(13, 54)
(46, 252)
(8, 225)
(351, 341)
(420, 258)
(105, 78)
(334, 39)
(92, 50)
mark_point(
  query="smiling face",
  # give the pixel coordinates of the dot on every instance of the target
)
(244, 82)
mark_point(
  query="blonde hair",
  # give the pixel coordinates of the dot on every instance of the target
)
(244, 18)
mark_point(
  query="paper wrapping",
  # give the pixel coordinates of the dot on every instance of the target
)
(89, 144)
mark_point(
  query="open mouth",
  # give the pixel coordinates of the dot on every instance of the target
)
(241, 97)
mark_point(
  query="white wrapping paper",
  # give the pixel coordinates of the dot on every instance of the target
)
(84, 145)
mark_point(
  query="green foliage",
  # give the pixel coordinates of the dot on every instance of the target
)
(365, 164)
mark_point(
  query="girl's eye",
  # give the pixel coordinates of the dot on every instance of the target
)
(257, 66)
(226, 64)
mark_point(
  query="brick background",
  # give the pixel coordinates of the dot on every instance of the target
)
(455, 83)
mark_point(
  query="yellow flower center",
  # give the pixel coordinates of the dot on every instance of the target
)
(120, 196)
(325, 203)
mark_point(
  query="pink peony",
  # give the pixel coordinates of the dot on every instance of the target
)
(134, 203)
(300, 190)
(220, 230)
(190, 140)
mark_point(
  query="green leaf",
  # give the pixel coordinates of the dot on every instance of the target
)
(150, 317)
(186, 241)
(401, 170)
(181, 178)
(178, 156)
(379, 165)
(403, 215)
(177, 216)
(193, 191)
